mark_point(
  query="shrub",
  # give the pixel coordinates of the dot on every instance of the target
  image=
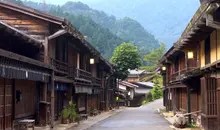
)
(149, 97)
(144, 102)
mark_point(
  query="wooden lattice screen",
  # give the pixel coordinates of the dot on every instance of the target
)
(209, 103)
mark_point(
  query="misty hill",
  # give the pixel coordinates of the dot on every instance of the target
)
(165, 19)
(126, 29)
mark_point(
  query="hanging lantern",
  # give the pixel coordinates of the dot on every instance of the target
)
(164, 68)
(190, 55)
(92, 61)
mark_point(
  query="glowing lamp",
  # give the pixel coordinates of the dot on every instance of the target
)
(164, 68)
(92, 61)
(190, 54)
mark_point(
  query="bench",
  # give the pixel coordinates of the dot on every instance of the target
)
(24, 124)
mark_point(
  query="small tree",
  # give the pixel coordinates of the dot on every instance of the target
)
(126, 56)
(153, 58)
(157, 91)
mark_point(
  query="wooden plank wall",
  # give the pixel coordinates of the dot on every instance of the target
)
(6, 104)
(209, 103)
(27, 24)
(183, 99)
(182, 64)
(26, 107)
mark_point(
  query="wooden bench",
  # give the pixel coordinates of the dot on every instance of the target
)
(24, 124)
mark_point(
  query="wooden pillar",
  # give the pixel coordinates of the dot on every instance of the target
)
(52, 100)
(186, 61)
(86, 103)
(189, 103)
(44, 92)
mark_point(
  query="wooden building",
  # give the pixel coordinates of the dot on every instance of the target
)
(45, 63)
(136, 75)
(191, 68)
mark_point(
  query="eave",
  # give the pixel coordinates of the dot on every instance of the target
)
(196, 29)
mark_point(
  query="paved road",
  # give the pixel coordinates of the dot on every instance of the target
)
(142, 118)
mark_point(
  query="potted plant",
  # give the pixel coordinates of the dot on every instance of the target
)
(69, 113)
(65, 116)
(72, 111)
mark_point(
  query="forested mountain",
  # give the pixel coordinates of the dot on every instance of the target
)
(92, 23)
(125, 28)
(165, 19)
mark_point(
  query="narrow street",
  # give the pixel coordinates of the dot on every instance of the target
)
(141, 118)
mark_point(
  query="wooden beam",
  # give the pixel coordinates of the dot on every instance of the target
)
(185, 40)
(57, 34)
(200, 23)
(17, 32)
(195, 29)
(211, 23)
(212, 8)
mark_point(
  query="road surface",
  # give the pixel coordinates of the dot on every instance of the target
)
(141, 118)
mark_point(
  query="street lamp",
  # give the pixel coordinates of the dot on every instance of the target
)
(92, 61)
(190, 55)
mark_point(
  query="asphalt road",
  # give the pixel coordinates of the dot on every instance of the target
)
(141, 118)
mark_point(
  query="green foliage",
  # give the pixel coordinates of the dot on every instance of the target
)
(126, 28)
(125, 57)
(153, 58)
(69, 112)
(149, 97)
(144, 102)
(157, 91)
(101, 38)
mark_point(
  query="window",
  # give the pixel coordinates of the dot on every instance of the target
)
(207, 50)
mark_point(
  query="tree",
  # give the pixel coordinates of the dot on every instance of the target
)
(153, 58)
(126, 56)
(157, 91)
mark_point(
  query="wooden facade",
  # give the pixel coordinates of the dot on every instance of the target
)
(192, 82)
(45, 63)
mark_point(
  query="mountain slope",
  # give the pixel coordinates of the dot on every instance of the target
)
(127, 29)
(165, 19)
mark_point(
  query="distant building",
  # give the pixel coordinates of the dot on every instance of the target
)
(126, 92)
(136, 75)
(141, 91)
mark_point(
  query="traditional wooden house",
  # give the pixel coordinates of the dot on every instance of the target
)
(191, 68)
(23, 74)
(37, 47)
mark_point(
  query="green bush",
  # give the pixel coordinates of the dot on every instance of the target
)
(69, 112)
(144, 102)
(149, 97)
(157, 91)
